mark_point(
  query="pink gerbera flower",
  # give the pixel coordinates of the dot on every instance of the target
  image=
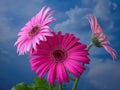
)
(35, 30)
(99, 39)
(58, 55)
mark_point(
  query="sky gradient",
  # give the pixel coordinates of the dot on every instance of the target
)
(102, 73)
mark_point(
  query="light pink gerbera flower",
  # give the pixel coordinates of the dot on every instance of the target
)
(99, 39)
(35, 30)
(58, 55)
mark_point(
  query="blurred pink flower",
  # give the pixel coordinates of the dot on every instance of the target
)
(59, 54)
(99, 39)
(35, 30)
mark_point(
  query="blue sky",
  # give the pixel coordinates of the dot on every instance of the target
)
(101, 74)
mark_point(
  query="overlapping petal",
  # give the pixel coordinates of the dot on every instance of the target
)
(35, 31)
(58, 55)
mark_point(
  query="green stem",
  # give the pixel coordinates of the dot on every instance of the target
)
(60, 86)
(89, 46)
(50, 87)
(77, 79)
(75, 83)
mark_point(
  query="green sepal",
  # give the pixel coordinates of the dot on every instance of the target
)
(95, 41)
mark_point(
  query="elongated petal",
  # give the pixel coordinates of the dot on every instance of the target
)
(52, 74)
(62, 73)
(35, 31)
(111, 51)
(58, 55)
(99, 37)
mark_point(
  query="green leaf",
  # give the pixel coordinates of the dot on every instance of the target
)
(41, 84)
(40, 81)
(21, 86)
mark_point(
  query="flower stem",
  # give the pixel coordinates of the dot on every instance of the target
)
(50, 87)
(75, 83)
(77, 79)
(60, 86)
(89, 46)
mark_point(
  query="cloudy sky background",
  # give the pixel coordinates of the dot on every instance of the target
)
(101, 74)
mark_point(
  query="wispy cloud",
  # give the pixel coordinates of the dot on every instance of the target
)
(71, 18)
(75, 23)
(14, 14)
(104, 75)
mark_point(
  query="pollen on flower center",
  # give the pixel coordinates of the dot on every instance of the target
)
(34, 31)
(59, 55)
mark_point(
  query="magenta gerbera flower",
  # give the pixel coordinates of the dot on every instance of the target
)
(35, 30)
(99, 39)
(58, 55)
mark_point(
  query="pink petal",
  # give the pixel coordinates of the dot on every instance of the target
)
(49, 16)
(40, 14)
(48, 21)
(82, 59)
(42, 66)
(95, 27)
(72, 43)
(68, 40)
(52, 74)
(79, 53)
(72, 69)
(92, 22)
(28, 24)
(111, 51)
(79, 67)
(44, 14)
(77, 48)
(44, 28)
(62, 73)
(45, 69)
(33, 21)
(64, 39)
(60, 38)
(36, 62)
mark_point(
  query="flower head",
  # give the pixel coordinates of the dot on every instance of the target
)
(35, 30)
(58, 55)
(98, 38)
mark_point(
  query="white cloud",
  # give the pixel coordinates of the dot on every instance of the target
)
(76, 23)
(86, 2)
(104, 75)
(6, 31)
(75, 19)
(102, 9)
(101, 75)
(15, 11)
(3, 51)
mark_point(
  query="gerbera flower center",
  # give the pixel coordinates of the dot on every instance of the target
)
(59, 55)
(34, 31)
